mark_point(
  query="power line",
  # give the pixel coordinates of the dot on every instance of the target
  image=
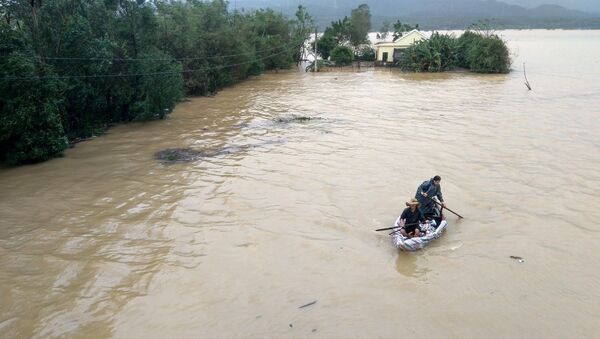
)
(157, 59)
(164, 59)
(33, 78)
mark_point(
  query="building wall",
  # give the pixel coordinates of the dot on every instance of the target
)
(411, 38)
(404, 42)
(389, 50)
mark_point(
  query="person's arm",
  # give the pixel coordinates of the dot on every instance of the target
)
(440, 196)
(402, 219)
(421, 190)
(430, 191)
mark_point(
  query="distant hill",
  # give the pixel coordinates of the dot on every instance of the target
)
(438, 14)
(582, 5)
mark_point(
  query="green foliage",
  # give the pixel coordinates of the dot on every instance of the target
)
(466, 40)
(342, 55)
(320, 66)
(483, 53)
(301, 30)
(478, 52)
(70, 68)
(325, 45)
(360, 25)
(348, 31)
(340, 30)
(30, 122)
(366, 53)
(160, 89)
(400, 28)
(334, 35)
(436, 54)
(384, 30)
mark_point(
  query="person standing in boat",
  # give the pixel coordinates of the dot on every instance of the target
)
(426, 192)
(410, 219)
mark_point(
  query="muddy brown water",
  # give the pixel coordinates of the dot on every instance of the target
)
(108, 241)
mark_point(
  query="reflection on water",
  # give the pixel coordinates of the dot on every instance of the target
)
(280, 211)
(406, 264)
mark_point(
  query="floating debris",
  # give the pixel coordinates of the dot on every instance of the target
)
(177, 155)
(181, 155)
(296, 118)
(519, 259)
(309, 304)
(291, 325)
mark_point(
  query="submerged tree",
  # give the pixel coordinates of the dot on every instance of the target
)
(474, 51)
(436, 54)
(342, 55)
(70, 68)
(487, 54)
(351, 31)
(30, 111)
(302, 28)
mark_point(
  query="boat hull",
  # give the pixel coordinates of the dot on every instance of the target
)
(417, 243)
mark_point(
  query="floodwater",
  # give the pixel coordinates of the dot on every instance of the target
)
(107, 241)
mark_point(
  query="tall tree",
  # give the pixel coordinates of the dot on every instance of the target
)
(384, 31)
(401, 28)
(360, 25)
(70, 68)
(303, 26)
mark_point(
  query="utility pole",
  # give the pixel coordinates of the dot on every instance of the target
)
(316, 61)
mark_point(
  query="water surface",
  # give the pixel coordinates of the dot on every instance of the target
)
(108, 241)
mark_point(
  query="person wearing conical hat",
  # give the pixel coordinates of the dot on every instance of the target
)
(410, 219)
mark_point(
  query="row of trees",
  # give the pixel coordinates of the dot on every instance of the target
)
(347, 39)
(70, 68)
(478, 51)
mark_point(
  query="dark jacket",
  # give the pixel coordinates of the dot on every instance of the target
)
(426, 205)
(412, 219)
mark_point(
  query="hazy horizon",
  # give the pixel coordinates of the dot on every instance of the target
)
(588, 6)
(592, 6)
(444, 14)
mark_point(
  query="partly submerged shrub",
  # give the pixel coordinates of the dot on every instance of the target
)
(342, 55)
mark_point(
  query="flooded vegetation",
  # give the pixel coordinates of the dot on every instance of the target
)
(268, 230)
(70, 69)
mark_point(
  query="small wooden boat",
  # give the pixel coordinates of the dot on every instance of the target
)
(432, 230)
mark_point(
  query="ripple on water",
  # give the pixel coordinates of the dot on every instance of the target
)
(109, 241)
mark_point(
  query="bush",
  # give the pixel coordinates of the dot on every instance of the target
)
(342, 55)
(437, 54)
(463, 44)
(159, 91)
(30, 111)
(320, 66)
(488, 54)
(75, 68)
(366, 54)
(326, 44)
(474, 51)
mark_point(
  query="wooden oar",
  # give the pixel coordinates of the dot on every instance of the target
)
(458, 215)
(391, 228)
